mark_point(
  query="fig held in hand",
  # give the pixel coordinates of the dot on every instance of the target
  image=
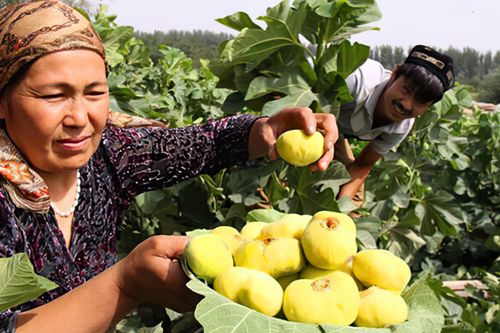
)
(300, 149)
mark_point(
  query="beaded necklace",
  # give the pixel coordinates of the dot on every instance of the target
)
(75, 201)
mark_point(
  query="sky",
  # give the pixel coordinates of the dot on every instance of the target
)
(438, 23)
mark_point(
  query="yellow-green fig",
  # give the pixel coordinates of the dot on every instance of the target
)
(251, 288)
(327, 244)
(381, 268)
(275, 256)
(312, 272)
(289, 226)
(252, 230)
(230, 236)
(329, 300)
(380, 308)
(208, 256)
(300, 149)
(343, 221)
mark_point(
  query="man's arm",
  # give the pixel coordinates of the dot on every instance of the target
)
(359, 170)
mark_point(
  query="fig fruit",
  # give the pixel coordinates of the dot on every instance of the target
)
(329, 300)
(328, 243)
(312, 272)
(344, 221)
(252, 230)
(300, 149)
(208, 256)
(380, 308)
(381, 268)
(230, 236)
(289, 226)
(275, 256)
(251, 288)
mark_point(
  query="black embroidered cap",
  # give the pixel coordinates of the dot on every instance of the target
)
(437, 63)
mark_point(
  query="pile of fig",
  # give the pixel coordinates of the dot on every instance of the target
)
(303, 268)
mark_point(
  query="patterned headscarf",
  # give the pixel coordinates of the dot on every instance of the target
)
(31, 30)
(27, 32)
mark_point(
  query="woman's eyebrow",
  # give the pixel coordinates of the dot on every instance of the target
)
(63, 85)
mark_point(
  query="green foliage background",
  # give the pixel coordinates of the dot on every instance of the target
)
(434, 200)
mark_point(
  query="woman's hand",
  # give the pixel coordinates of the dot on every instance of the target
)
(266, 131)
(152, 273)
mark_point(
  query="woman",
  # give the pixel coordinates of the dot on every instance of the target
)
(69, 172)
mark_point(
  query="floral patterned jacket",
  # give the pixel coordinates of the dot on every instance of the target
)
(129, 161)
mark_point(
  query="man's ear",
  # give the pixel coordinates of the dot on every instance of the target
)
(394, 70)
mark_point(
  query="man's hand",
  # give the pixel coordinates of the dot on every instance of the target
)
(266, 131)
(152, 273)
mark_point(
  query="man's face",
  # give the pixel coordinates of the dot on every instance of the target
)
(399, 102)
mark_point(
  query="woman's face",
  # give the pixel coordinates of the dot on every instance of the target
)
(56, 112)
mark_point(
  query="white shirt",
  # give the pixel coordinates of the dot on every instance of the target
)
(366, 84)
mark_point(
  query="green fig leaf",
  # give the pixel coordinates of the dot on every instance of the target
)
(264, 215)
(19, 283)
(425, 311)
(219, 314)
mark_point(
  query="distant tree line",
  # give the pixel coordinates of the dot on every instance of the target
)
(479, 70)
(197, 44)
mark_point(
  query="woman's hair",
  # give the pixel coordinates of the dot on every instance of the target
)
(33, 29)
(424, 85)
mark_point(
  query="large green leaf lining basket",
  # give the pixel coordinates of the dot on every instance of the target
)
(218, 314)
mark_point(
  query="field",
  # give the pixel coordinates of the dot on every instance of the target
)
(434, 201)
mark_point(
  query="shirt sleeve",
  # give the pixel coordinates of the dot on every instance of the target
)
(383, 143)
(8, 321)
(150, 158)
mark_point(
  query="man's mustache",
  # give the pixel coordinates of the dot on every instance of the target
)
(401, 109)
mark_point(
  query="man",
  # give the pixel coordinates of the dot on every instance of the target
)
(384, 109)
